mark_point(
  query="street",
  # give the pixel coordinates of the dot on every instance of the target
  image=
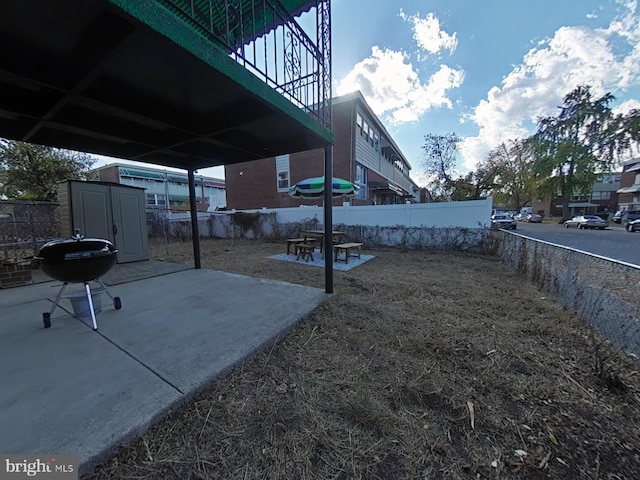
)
(614, 242)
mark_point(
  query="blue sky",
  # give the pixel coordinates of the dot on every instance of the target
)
(482, 69)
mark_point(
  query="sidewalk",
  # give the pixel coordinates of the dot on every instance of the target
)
(71, 390)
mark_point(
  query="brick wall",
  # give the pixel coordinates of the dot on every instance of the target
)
(14, 274)
(254, 184)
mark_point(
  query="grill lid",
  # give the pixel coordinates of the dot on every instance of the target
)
(77, 259)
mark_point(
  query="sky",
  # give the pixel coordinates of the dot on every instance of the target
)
(484, 69)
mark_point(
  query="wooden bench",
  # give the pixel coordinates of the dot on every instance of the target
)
(293, 241)
(346, 248)
(305, 251)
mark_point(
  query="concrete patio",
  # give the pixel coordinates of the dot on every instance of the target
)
(71, 390)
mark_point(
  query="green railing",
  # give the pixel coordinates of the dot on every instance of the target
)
(264, 37)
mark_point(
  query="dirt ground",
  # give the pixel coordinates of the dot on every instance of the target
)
(422, 365)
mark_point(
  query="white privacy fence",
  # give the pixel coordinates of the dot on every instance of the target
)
(469, 214)
(452, 225)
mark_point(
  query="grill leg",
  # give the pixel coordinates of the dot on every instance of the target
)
(55, 304)
(87, 289)
(104, 289)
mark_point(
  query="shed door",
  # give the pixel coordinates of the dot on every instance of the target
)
(129, 224)
(91, 207)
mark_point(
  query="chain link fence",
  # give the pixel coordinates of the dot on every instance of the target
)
(26, 226)
(602, 291)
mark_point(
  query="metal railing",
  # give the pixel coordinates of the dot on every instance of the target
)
(264, 37)
(599, 289)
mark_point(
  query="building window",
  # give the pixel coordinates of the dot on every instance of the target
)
(361, 181)
(601, 196)
(282, 172)
(155, 199)
(359, 122)
(283, 181)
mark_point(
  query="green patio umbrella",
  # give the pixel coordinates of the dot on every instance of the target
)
(314, 188)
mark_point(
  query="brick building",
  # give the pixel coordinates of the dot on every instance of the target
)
(166, 188)
(364, 153)
(629, 192)
(601, 199)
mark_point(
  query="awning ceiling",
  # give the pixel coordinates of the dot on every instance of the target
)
(129, 172)
(631, 189)
(387, 186)
(582, 204)
(171, 177)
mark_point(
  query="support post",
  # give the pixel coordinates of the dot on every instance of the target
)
(328, 218)
(195, 234)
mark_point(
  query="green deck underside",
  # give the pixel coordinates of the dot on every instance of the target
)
(191, 36)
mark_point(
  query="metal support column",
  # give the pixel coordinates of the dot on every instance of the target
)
(328, 219)
(195, 234)
(323, 34)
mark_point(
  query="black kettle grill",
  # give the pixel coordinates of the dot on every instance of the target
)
(78, 260)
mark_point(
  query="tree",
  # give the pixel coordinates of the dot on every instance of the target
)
(439, 161)
(629, 131)
(573, 147)
(473, 185)
(513, 180)
(32, 172)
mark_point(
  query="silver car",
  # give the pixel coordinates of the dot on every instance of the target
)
(587, 221)
(633, 226)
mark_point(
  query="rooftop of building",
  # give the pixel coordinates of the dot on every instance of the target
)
(132, 169)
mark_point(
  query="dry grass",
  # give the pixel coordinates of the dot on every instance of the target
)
(421, 365)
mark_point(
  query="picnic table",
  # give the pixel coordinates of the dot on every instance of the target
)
(337, 237)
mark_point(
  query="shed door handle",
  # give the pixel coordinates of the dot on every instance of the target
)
(115, 229)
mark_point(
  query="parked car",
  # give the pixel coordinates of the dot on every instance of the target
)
(624, 216)
(533, 218)
(587, 221)
(503, 221)
(617, 217)
(633, 225)
(629, 216)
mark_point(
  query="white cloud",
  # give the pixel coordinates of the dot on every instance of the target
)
(428, 34)
(626, 107)
(393, 87)
(573, 56)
